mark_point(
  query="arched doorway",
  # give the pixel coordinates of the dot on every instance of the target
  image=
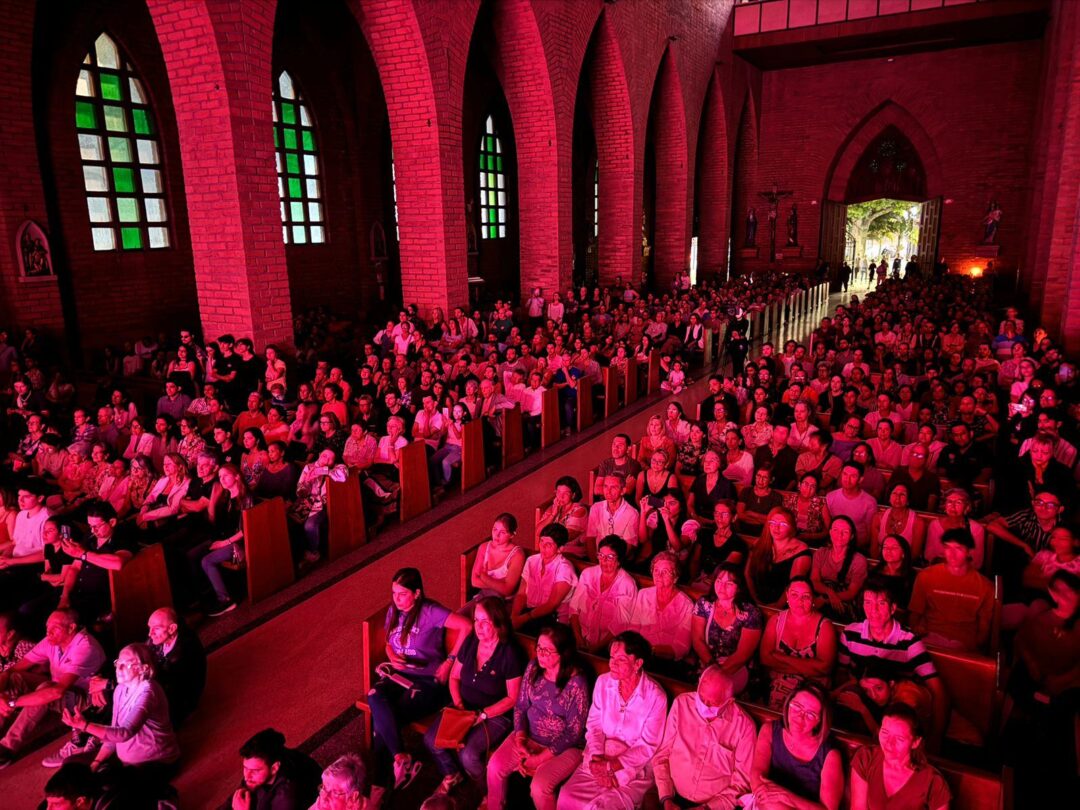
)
(887, 167)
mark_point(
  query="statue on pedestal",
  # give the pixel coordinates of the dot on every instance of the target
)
(793, 227)
(751, 228)
(991, 222)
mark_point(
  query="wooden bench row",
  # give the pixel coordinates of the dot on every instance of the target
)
(972, 789)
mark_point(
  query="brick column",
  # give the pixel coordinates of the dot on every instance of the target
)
(218, 54)
(672, 190)
(714, 190)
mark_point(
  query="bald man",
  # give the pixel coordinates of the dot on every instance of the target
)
(181, 662)
(707, 749)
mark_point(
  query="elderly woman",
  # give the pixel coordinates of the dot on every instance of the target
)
(485, 679)
(799, 642)
(140, 740)
(309, 509)
(957, 516)
(894, 774)
(727, 627)
(662, 613)
(757, 501)
(603, 598)
(795, 765)
(549, 724)
(759, 432)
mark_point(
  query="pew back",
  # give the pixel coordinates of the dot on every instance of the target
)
(268, 554)
(137, 590)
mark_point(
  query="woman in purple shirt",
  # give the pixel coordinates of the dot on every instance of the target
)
(416, 648)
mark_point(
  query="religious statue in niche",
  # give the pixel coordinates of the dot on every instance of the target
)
(751, 228)
(773, 197)
(35, 260)
(991, 222)
(378, 242)
(645, 249)
(471, 241)
(793, 227)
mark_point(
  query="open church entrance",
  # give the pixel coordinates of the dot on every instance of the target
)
(885, 214)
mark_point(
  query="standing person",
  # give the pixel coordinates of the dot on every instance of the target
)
(624, 729)
(549, 724)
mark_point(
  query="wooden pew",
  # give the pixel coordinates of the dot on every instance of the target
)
(550, 420)
(137, 590)
(707, 358)
(631, 380)
(268, 555)
(653, 378)
(611, 391)
(972, 789)
(415, 486)
(473, 466)
(584, 408)
(346, 528)
(513, 442)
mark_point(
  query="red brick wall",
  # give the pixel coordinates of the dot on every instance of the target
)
(975, 106)
(117, 294)
(22, 303)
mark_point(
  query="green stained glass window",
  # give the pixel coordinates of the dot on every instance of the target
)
(297, 165)
(120, 200)
(110, 86)
(123, 180)
(141, 120)
(120, 150)
(127, 208)
(131, 238)
(492, 207)
(85, 115)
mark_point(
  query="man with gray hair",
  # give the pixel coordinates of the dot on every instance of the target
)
(708, 747)
(343, 784)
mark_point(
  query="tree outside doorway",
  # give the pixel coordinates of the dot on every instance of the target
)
(881, 228)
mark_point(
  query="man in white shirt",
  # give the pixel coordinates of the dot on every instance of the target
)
(708, 747)
(613, 515)
(21, 556)
(854, 502)
(624, 729)
(71, 656)
(430, 425)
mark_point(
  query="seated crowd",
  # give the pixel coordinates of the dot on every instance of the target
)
(828, 521)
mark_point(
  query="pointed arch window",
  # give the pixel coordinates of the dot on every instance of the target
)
(493, 208)
(121, 157)
(303, 219)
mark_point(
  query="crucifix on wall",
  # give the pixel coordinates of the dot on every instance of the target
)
(773, 198)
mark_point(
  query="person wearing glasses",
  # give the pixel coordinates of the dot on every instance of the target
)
(603, 598)
(795, 765)
(549, 724)
(957, 516)
(139, 749)
(343, 784)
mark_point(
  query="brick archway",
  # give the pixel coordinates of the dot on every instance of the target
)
(672, 186)
(713, 192)
(888, 114)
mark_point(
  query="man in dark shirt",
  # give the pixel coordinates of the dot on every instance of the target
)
(923, 486)
(108, 548)
(275, 777)
(181, 662)
(717, 394)
(963, 461)
(779, 456)
(249, 369)
(225, 374)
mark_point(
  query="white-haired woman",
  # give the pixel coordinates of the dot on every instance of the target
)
(343, 784)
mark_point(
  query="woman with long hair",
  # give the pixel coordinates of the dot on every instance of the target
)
(776, 557)
(228, 500)
(727, 626)
(838, 571)
(416, 629)
(894, 774)
(549, 723)
(799, 642)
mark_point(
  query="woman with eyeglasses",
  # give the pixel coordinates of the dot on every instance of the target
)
(957, 516)
(795, 765)
(799, 643)
(343, 785)
(603, 598)
(894, 774)
(138, 750)
(549, 724)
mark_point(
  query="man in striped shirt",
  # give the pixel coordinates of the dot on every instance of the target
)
(882, 641)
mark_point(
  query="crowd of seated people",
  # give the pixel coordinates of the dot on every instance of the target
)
(782, 539)
(824, 585)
